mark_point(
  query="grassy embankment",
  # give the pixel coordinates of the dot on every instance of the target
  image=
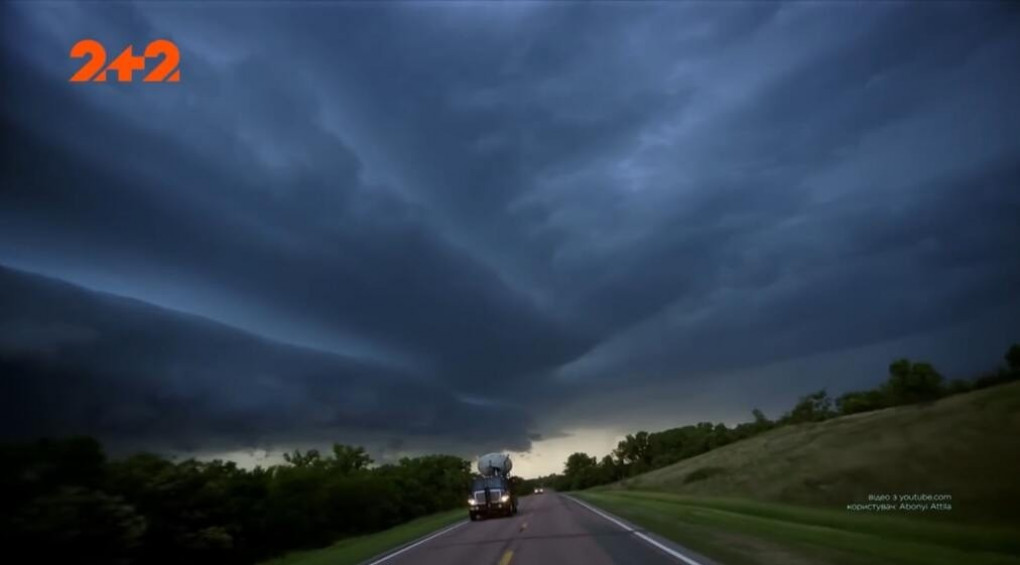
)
(356, 550)
(782, 497)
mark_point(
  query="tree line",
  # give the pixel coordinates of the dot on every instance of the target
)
(908, 382)
(65, 501)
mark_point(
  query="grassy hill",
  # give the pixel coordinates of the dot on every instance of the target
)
(782, 497)
(967, 446)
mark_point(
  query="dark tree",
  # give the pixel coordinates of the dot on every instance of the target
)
(862, 401)
(814, 407)
(1013, 358)
(912, 382)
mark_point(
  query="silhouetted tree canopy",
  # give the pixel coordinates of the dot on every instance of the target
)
(814, 407)
(66, 503)
(912, 382)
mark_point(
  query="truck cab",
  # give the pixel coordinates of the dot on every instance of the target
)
(492, 496)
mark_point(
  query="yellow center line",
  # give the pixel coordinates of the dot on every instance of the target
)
(506, 558)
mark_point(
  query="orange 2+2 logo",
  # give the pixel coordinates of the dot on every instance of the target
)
(125, 65)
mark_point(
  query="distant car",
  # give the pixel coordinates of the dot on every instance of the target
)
(539, 490)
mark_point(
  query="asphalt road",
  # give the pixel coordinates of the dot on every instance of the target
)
(549, 529)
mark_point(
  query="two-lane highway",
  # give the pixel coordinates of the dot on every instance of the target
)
(549, 529)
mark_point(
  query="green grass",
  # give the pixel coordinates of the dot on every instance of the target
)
(964, 446)
(782, 497)
(737, 532)
(702, 474)
(356, 550)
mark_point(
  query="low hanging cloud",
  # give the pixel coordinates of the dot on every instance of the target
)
(438, 224)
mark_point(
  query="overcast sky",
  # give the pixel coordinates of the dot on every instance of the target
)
(465, 227)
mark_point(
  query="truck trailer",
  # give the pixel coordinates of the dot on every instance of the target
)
(492, 490)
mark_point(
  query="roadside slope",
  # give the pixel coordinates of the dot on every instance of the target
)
(964, 446)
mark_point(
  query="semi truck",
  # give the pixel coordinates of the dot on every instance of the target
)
(493, 491)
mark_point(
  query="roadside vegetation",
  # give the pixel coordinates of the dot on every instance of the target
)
(796, 491)
(964, 446)
(909, 383)
(65, 502)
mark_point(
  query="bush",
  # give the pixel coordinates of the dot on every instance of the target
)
(862, 401)
(912, 382)
(814, 407)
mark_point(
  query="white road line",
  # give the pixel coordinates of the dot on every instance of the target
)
(640, 535)
(417, 543)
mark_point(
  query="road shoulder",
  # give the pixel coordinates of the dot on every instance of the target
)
(679, 553)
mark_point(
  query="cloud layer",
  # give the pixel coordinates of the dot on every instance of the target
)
(384, 214)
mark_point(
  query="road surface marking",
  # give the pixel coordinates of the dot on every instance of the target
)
(417, 543)
(668, 550)
(506, 558)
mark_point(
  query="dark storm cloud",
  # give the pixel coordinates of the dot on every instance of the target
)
(80, 362)
(449, 207)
